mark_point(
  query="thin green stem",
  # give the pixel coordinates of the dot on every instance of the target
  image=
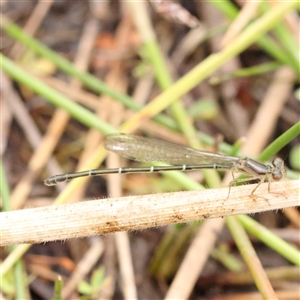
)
(4, 189)
(87, 79)
(270, 239)
(280, 142)
(18, 267)
(250, 257)
(77, 111)
(265, 42)
(212, 63)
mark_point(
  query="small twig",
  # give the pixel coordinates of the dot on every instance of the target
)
(88, 218)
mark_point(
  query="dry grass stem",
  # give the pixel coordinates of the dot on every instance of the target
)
(267, 116)
(88, 218)
(246, 14)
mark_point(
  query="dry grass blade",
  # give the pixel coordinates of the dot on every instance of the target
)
(137, 212)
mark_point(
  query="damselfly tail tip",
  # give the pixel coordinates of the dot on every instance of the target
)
(49, 182)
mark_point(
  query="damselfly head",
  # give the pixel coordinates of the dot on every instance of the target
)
(279, 169)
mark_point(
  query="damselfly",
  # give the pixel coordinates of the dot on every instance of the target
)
(180, 158)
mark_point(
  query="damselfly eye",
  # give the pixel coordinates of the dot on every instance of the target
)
(277, 176)
(278, 164)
